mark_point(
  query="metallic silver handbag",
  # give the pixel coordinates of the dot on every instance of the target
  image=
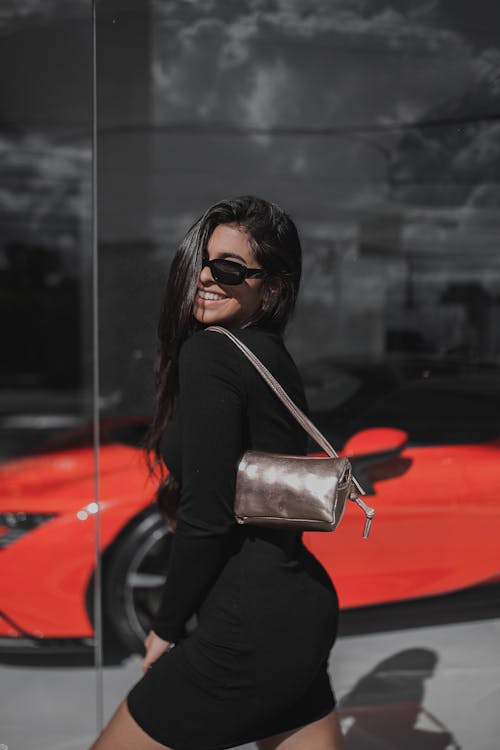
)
(296, 492)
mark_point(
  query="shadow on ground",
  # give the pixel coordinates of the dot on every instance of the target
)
(382, 709)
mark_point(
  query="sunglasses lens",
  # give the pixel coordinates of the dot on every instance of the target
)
(227, 272)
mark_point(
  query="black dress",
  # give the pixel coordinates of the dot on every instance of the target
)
(256, 664)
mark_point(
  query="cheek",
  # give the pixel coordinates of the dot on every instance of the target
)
(251, 300)
(254, 293)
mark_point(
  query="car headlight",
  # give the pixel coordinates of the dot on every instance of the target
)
(15, 525)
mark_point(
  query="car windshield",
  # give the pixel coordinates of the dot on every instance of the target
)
(442, 410)
(435, 400)
(38, 439)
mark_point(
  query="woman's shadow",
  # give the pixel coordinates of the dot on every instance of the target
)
(382, 709)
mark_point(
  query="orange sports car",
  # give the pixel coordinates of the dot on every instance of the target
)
(425, 445)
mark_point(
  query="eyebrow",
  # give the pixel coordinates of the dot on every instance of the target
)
(232, 255)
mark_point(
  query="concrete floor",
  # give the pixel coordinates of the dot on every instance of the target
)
(426, 687)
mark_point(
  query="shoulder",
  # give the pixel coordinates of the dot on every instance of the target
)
(267, 345)
(212, 346)
(206, 346)
(208, 354)
(259, 339)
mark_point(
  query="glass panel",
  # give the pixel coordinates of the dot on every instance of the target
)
(130, 280)
(375, 126)
(47, 549)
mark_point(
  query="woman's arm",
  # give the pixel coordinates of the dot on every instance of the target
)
(212, 403)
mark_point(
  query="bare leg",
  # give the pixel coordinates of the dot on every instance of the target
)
(323, 734)
(123, 733)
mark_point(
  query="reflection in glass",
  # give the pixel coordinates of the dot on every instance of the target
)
(376, 127)
(46, 482)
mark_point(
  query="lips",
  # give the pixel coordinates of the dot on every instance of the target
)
(209, 298)
(204, 294)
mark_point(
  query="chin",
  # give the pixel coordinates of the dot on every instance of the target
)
(212, 317)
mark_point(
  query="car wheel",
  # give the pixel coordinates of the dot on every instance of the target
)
(134, 579)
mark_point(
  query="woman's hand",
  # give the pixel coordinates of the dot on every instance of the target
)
(155, 647)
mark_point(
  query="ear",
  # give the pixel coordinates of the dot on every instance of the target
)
(271, 288)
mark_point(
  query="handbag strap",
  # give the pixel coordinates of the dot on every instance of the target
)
(299, 415)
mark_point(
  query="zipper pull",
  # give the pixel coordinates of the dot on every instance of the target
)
(367, 527)
(368, 511)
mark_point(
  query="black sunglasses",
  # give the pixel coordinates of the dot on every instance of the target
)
(229, 272)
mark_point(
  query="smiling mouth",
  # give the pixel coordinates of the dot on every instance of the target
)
(210, 296)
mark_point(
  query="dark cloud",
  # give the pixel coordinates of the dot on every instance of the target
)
(16, 13)
(43, 184)
(339, 77)
(291, 63)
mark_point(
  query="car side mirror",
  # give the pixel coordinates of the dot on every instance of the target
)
(375, 440)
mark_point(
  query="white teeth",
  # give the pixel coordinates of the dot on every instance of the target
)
(209, 295)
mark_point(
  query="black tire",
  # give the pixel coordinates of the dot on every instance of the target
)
(134, 578)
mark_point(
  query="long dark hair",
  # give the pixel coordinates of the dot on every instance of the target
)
(275, 242)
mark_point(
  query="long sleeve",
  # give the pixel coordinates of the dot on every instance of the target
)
(212, 403)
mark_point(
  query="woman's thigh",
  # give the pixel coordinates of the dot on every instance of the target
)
(323, 734)
(123, 733)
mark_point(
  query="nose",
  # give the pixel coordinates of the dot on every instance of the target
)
(206, 275)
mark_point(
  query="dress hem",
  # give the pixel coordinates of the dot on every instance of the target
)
(225, 746)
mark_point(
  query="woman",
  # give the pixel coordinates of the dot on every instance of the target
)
(255, 667)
